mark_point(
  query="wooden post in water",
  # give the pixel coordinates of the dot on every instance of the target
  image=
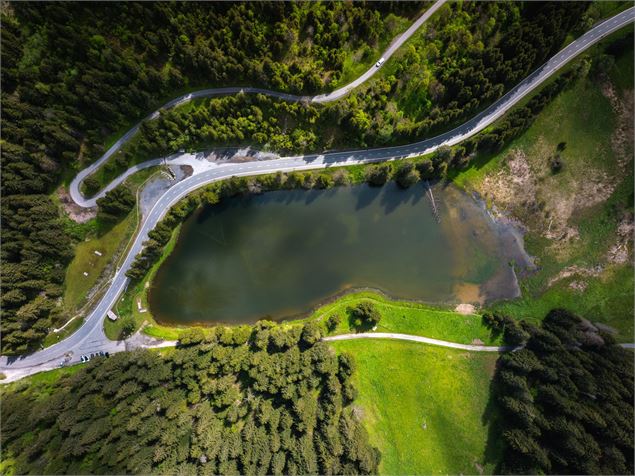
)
(435, 212)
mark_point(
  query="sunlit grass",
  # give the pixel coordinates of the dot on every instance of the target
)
(425, 408)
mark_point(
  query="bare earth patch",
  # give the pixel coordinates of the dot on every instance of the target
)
(465, 309)
(576, 271)
(578, 285)
(74, 211)
(542, 202)
(620, 252)
(512, 185)
(622, 138)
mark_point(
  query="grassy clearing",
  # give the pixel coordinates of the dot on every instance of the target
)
(403, 385)
(607, 299)
(40, 383)
(55, 337)
(86, 261)
(410, 318)
(110, 241)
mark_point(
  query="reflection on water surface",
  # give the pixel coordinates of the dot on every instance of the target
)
(278, 254)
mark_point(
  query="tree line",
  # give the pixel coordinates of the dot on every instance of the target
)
(261, 400)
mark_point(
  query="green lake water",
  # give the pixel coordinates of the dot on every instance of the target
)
(279, 254)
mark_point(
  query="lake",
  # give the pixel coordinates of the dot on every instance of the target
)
(279, 254)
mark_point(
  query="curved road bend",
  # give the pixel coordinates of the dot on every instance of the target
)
(90, 336)
(321, 98)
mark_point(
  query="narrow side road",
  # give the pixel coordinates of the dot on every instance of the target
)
(437, 342)
(139, 340)
(424, 340)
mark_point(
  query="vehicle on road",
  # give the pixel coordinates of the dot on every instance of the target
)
(380, 62)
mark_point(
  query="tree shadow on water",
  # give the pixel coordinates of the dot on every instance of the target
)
(393, 196)
(366, 195)
(312, 195)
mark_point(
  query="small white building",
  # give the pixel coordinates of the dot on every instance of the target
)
(112, 316)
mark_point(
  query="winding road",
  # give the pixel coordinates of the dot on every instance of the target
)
(90, 336)
(205, 93)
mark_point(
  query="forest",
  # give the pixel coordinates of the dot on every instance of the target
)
(566, 398)
(262, 400)
(274, 399)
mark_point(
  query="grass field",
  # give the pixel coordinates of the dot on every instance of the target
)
(404, 385)
(40, 383)
(410, 318)
(86, 261)
(108, 240)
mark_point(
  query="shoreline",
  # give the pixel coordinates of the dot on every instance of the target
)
(487, 289)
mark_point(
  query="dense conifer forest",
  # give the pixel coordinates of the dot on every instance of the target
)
(272, 400)
(566, 399)
(261, 401)
(488, 47)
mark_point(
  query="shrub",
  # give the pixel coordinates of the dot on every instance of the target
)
(365, 314)
(333, 321)
(378, 175)
(407, 175)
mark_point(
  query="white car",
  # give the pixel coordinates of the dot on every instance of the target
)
(380, 62)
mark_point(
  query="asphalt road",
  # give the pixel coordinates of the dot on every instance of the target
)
(90, 336)
(203, 93)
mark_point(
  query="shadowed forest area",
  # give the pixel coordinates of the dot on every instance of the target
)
(261, 401)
